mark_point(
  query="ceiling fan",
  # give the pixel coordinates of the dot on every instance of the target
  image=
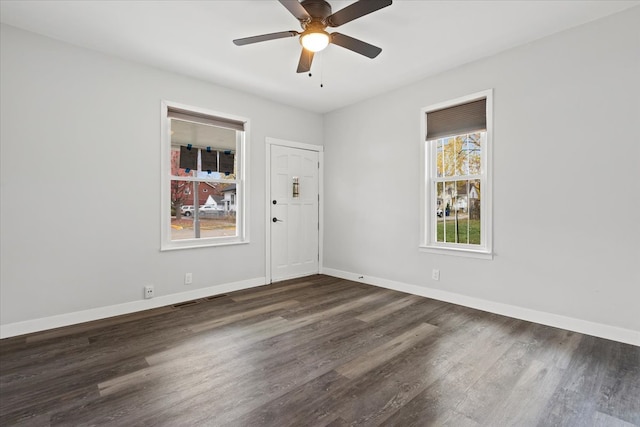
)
(315, 16)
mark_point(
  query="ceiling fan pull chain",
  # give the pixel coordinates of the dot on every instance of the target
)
(321, 71)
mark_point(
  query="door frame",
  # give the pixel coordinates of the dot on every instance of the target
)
(302, 146)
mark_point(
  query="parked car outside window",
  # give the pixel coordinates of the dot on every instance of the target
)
(209, 208)
(187, 210)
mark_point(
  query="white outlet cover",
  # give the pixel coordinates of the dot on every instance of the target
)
(148, 292)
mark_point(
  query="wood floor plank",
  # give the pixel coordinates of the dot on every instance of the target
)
(374, 358)
(310, 364)
(271, 328)
(47, 395)
(619, 394)
(604, 420)
(317, 351)
(84, 327)
(326, 303)
(433, 388)
(338, 422)
(559, 345)
(242, 316)
(223, 375)
(575, 399)
(388, 308)
(528, 397)
(286, 410)
(30, 355)
(496, 385)
(225, 341)
(452, 418)
(335, 347)
(30, 420)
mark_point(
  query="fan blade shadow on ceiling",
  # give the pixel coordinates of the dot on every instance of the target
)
(304, 65)
(265, 37)
(355, 11)
(355, 45)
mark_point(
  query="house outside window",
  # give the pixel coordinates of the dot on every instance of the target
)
(204, 160)
(456, 189)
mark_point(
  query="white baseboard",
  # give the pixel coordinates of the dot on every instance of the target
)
(600, 330)
(45, 323)
(577, 325)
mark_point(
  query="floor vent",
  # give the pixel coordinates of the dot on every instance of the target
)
(215, 297)
(184, 304)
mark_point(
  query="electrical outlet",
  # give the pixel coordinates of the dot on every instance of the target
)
(435, 274)
(148, 291)
(188, 278)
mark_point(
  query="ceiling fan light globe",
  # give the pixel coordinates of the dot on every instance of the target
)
(315, 41)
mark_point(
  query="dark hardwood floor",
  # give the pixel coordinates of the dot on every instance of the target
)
(317, 351)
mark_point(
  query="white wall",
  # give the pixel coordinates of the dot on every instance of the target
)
(80, 199)
(73, 121)
(566, 176)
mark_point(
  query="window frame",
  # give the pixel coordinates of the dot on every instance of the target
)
(242, 187)
(428, 196)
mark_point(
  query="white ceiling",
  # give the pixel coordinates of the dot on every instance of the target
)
(194, 38)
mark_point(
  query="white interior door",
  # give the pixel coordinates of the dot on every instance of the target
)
(294, 212)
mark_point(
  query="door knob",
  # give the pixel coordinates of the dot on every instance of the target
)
(276, 219)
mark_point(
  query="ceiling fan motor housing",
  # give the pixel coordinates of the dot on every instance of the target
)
(318, 9)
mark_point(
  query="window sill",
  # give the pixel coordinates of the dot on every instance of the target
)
(197, 243)
(462, 252)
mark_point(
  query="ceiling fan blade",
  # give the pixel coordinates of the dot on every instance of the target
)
(355, 45)
(265, 37)
(304, 65)
(296, 9)
(356, 10)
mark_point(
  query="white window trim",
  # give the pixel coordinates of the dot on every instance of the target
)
(242, 185)
(427, 205)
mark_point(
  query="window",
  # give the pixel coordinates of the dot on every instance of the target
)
(204, 161)
(456, 191)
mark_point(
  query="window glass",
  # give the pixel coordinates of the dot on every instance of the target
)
(458, 157)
